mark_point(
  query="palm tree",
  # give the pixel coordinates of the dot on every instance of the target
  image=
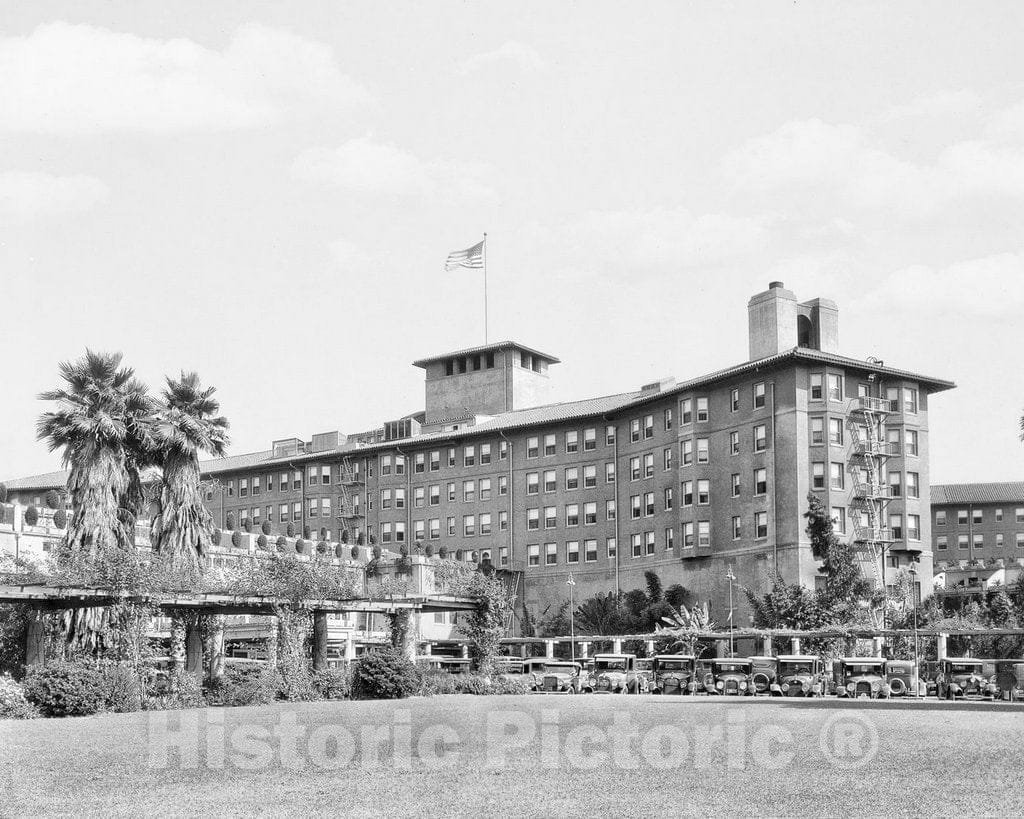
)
(685, 624)
(101, 423)
(186, 425)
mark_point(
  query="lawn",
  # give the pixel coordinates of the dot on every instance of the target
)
(522, 756)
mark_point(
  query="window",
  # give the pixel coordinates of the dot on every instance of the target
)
(634, 430)
(760, 525)
(734, 400)
(451, 493)
(385, 464)
(670, 539)
(270, 483)
(892, 437)
(549, 445)
(818, 475)
(469, 491)
(418, 530)
(818, 431)
(469, 455)
(503, 521)
(759, 395)
(816, 386)
(434, 494)
(999, 515)
(892, 395)
(896, 485)
(282, 512)
(941, 542)
(532, 483)
(977, 515)
(469, 525)
(485, 453)
(839, 519)
(419, 497)
(637, 543)
(669, 498)
(914, 527)
(610, 547)
(550, 480)
(243, 488)
(687, 493)
(485, 523)
(896, 525)
(686, 411)
(550, 554)
(961, 517)
(532, 445)
(533, 554)
(532, 519)
(910, 400)
(435, 460)
(503, 450)
(687, 450)
(703, 492)
(635, 507)
(735, 484)
(609, 473)
(702, 410)
(609, 435)
(649, 542)
(687, 535)
(962, 542)
(385, 498)
(572, 551)
(399, 499)
(572, 514)
(434, 528)
(589, 439)
(835, 476)
(284, 481)
(835, 431)
(702, 451)
(1020, 514)
(572, 441)
(312, 475)
(385, 533)
(914, 488)
(703, 533)
(256, 481)
(550, 517)
(589, 476)
(648, 426)
(835, 387)
(485, 489)
(912, 442)
(649, 465)
(257, 512)
(572, 478)
(648, 504)
(296, 511)
(760, 481)
(667, 418)
(609, 510)
(325, 478)
(590, 513)
(666, 458)
(999, 540)
(590, 551)
(734, 443)
(737, 527)
(760, 438)
(399, 464)
(450, 523)
(634, 468)
(940, 517)
(503, 485)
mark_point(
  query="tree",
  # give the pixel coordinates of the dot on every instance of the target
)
(845, 586)
(186, 425)
(485, 625)
(600, 614)
(676, 595)
(654, 589)
(685, 624)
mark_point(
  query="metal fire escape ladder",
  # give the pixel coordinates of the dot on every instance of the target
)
(871, 494)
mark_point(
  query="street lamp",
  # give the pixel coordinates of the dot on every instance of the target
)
(572, 619)
(913, 599)
(732, 642)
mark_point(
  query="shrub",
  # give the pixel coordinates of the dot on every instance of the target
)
(186, 691)
(261, 541)
(323, 533)
(299, 546)
(244, 685)
(321, 547)
(307, 533)
(236, 539)
(60, 518)
(360, 539)
(373, 540)
(123, 689)
(281, 543)
(355, 553)
(403, 550)
(339, 551)
(344, 536)
(436, 682)
(31, 516)
(458, 554)
(52, 499)
(442, 552)
(377, 552)
(215, 537)
(429, 549)
(65, 689)
(384, 675)
(506, 685)
(471, 684)
(229, 522)
(247, 524)
(13, 704)
(266, 528)
(3, 493)
(290, 530)
(332, 683)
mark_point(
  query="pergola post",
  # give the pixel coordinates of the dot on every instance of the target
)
(549, 648)
(319, 639)
(584, 650)
(876, 646)
(272, 641)
(402, 633)
(616, 646)
(35, 639)
(766, 646)
(216, 646)
(650, 648)
(193, 646)
(941, 645)
(721, 648)
(795, 644)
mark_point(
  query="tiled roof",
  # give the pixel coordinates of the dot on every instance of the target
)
(48, 480)
(486, 348)
(1009, 492)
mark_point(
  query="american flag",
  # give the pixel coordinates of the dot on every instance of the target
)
(472, 257)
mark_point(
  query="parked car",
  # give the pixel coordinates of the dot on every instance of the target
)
(508, 666)
(961, 677)
(1009, 679)
(765, 672)
(674, 674)
(615, 674)
(560, 677)
(902, 679)
(730, 677)
(799, 675)
(859, 677)
(644, 667)
(438, 662)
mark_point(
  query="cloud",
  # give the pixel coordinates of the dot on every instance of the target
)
(367, 166)
(79, 79)
(523, 57)
(26, 196)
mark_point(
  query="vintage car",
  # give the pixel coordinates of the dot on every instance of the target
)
(508, 666)
(730, 677)
(765, 671)
(1008, 679)
(961, 677)
(859, 677)
(799, 675)
(644, 667)
(674, 674)
(616, 674)
(438, 662)
(560, 677)
(901, 678)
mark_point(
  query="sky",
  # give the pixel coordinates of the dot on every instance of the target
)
(266, 193)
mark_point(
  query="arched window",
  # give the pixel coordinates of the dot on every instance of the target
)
(804, 332)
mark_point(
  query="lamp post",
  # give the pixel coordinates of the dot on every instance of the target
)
(913, 599)
(732, 642)
(572, 619)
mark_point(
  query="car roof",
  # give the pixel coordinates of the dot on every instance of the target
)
(798, 657)
(730, 660)
(613, 656)
(762, 657)
(675, 657)
(862, 659)
(972, 660)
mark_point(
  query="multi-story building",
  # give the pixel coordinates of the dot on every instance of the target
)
(687, 479)
(977, 534)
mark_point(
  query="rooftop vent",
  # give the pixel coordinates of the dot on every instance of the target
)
(660, 385)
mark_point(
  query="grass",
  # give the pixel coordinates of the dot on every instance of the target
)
(730, 758)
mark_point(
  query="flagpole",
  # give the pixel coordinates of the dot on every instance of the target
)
(484, 254)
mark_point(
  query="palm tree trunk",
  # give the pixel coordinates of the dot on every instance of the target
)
(177, 642)
(182, 528)
(215, 645)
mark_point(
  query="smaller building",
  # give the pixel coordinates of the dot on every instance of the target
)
(977, 535)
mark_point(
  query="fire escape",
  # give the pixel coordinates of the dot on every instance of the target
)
(871, 495)
(350, 478)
